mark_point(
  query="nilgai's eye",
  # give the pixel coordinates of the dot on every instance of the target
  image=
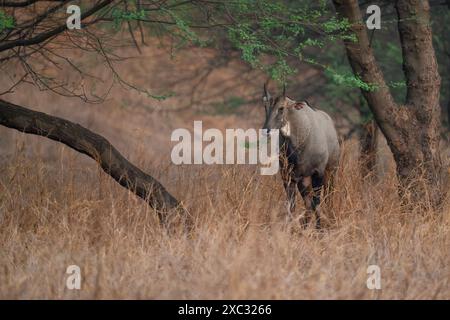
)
(281, 109)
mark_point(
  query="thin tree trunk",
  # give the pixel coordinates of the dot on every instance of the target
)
(411, 130)
(94, 146)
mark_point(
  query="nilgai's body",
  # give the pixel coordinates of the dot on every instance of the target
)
(309, 148)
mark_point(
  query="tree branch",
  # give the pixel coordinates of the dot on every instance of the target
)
(364, 65)
(93, 145)
(25, 3)
(51, 33)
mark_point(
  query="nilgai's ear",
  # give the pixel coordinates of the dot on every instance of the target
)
(289, 103)
(300, 105)
(266, 96)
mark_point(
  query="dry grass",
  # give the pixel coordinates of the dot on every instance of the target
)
(60, 210)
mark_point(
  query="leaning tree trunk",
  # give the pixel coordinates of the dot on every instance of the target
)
(96, 147)
(411, 130)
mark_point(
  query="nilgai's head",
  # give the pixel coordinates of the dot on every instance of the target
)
(277, 109)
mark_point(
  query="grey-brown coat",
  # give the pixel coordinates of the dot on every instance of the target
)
(309, 148)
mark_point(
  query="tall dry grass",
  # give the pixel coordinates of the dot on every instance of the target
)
(57, 209)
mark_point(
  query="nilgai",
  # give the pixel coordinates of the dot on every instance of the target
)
(309, 149)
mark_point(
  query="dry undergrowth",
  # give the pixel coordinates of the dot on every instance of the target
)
(58, 209)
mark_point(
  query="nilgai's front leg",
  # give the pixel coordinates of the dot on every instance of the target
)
(289, 179)
(310, 188)
(317, 183)
(304, 186)
(291, 188)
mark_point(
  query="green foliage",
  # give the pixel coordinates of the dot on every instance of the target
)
(271, 35)
(343, 87)
(280, 29)
(120, 16)
(182, 29)
(6, 21)
(276, 35)
(164, 20)
(349, 80)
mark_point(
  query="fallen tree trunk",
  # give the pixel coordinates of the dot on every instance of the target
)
(96, 147)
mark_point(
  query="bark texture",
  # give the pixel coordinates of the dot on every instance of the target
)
(95, 146)
(369, 142)
(412, 130)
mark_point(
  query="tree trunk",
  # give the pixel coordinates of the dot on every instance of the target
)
(94, 146)
(411, 130)
(369, 140)
(448, 115)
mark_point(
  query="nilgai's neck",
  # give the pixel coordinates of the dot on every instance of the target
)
(300, 126)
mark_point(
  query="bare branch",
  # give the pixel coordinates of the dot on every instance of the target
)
(18, 4)
(49, 34)
(93, 145)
